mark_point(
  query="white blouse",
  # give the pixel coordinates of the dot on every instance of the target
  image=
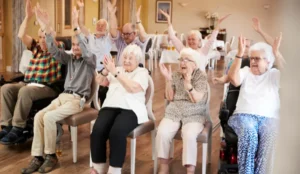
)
(118, 97)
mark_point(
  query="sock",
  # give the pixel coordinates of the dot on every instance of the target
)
(114, 170)
(40, 158)
(100, 167)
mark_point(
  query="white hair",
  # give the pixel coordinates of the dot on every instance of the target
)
(267, 49)
(135, 50)
(196, 33)
(107, 25)
(194, 55)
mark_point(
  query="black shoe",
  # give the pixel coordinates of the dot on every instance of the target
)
(34, 166)
(13, 137)
(5, 130)
(49, 164)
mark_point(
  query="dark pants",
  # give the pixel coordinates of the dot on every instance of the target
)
(102, 93)
(113, 124)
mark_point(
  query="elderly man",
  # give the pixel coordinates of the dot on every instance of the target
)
(100, 43)
(128, 32)
(17, 98)
(81, 68)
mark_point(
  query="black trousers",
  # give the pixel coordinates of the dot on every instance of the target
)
(113, 124)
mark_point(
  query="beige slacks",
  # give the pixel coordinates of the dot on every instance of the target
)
(16, 102)
(167, 129)
(45, 129)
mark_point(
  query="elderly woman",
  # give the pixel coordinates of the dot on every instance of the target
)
(257, 110)
(194, 40)
(187, 92)
(122, 111)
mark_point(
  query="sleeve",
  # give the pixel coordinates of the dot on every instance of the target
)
(87, 55)
(199, 82)
(141, 78)
(58, 54)
(176, 42)
(209, 44)
(117, 40)
(244, 73)
(275, 77)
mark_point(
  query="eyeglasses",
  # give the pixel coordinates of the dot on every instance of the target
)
(256, 59)
(127, 34)
(184, 60)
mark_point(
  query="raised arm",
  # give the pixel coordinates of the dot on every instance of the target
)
(44, 22)
(167, 73)
(130, 85)
(259, 30)
(26, 39)
(140, 27)
(175, 41)
(234, 71)
(279, 60)
(209, 44)
(83, 29)
(113, 23)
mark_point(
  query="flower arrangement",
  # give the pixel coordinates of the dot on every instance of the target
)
(214, 15)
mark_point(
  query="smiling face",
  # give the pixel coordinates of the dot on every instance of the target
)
(258, 62)
(186, 61)
(128, 33)
(75, 47)
(42, 40)
(130, 62)
(101, 27)
(193, 41)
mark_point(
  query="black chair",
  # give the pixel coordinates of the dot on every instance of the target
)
(38, 105)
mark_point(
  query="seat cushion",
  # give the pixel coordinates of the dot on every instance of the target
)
(142, 129)
(203, 136)
(87, 115)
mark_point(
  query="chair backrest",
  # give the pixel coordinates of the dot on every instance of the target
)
(149, 98)
(182, 39)
(145, 49)
(94, 89)
(154, 40)
(231, 41)
(208, 104)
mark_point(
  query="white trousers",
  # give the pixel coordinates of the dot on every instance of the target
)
(167, 129)
(45, 131)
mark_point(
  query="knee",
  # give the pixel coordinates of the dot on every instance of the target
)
(117, 135)
(24, 92)
(6, 88)
(48, 118)
(38, 117)
(163, 133)
(97, 133)
(189, 136)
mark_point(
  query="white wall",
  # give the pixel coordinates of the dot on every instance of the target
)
(192, 16)
(286, 19)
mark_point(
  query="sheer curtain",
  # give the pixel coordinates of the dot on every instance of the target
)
(18, 7)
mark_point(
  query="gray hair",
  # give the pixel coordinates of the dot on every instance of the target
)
(107, 25)
(135, 50)
(195, 55)
(197, 34)
(267, 49)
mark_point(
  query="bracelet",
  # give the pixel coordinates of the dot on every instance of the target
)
(101, 72)
(190, 90)
(239, 57)
(116, 75)
(138, 22)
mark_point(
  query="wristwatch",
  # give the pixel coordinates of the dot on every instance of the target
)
(138, 22)
(101, 72)
(239, 57)
(190, 90)
(116, 75)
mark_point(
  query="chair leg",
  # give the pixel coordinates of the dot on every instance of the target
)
(209, 150)
(204, 157)
(132, 156)
(154, 153)
(172, 150)
(92, 125)
(74, 142)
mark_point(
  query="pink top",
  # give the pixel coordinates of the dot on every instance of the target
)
(204, 50)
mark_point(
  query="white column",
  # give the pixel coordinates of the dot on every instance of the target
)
(286, 19)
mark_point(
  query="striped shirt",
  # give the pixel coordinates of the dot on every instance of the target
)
(42, 66)
(121, 44)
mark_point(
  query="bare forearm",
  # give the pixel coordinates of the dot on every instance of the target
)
(279, 61)
(266, 37)
(143, 34)
(194, 95)
(83, 29)
(130, 85)
(176, 42)
(23, 28)
(234, 70)
(113, 25)
(169, 91)
(100, 79)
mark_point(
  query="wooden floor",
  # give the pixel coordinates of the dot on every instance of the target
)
(13, 158)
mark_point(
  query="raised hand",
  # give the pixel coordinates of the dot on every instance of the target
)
(29, 9)
(221, 20)
(166, 15)
(276, 44)
(241, 45)
(80, 3)
(111, 7)
(42, 17)
(256, 24)
(75, 17)
(109, 65)
(138, 14)
(167, 72)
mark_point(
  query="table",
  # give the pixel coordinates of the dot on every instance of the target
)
(169, 56)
